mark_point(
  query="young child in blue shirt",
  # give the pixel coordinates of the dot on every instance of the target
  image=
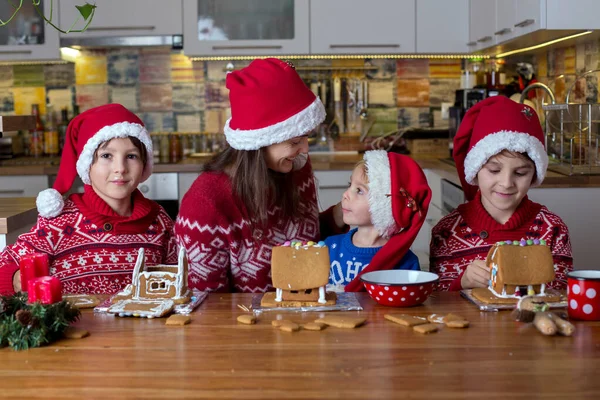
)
(387, 202)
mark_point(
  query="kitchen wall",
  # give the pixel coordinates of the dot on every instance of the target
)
(171, 93)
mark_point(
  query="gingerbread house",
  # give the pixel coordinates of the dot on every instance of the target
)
(518, 264)
(154, 290)
(300, 272)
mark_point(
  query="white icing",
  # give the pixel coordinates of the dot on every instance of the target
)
(161, 307)
(322, 299)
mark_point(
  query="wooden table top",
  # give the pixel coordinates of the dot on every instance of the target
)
(215, 357)
(17, 212)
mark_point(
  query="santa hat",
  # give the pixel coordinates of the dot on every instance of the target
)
(85, 133)
(491, 126)
(269, 104)
(399, 198)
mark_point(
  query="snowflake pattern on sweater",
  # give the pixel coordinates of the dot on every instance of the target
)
(458, 240)
(225, 251)
(85, 257)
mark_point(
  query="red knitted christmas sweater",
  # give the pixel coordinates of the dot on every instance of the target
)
(225, 251)
(92, 249)
(468, 233)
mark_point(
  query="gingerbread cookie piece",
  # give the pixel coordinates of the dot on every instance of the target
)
(82, 301)
(178, 320)
(75, 333)
(405, 320)
(247, 319)
(289, 326)
(314, 326)
(341, 321)
(426, 328)
(457, 323)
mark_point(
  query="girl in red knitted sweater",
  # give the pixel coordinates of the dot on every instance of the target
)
(260, 191)
(93, 238)
(499, 155)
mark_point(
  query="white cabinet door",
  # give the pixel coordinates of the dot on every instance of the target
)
(125, 18)
(506, 14)
(482, 24)
(442, 26)
(185, 181)
(530, 16)
(23, 186)
(249, 27)
(331, 186)
(27, 37)
(576, 14)
(362, 27)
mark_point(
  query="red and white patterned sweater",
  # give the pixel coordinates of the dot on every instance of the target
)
(468, 233)
(92, 249)
(225, 251)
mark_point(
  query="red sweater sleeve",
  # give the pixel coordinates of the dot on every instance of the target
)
(560, 245)
(10, 256)
(203, 230)
(171, 254)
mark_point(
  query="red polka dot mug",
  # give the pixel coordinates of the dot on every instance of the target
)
(583, 295)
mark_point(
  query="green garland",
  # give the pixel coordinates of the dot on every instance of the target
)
(23, 326)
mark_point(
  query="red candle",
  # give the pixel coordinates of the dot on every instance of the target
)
(46, 289)
(33, 266)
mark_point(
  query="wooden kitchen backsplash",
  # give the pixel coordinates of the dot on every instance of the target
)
(171, 93)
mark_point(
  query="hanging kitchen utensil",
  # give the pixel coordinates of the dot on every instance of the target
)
(351, 105)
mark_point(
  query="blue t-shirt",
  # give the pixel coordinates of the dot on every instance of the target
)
(347, 260)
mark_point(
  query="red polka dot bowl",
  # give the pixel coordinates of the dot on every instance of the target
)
(583, 295)
(399, 288)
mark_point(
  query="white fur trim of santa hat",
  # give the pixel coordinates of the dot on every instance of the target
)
(297, 125)
(49, 203)
(118, 130)
(495, 143)
(380, 190)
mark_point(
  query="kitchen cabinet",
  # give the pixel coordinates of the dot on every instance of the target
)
(331, 185)
(250, 27)
(362, 27)
(23, 186)
(530, 16)
(185, 181)
(578, 208)
(27, 37)
(442, 27)
(125, 18)
(482, 24)
(576, 14)
(506, 15)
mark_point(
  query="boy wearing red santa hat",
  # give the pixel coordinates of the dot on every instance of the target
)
(387, 201)
(93, 238)
(499, 154)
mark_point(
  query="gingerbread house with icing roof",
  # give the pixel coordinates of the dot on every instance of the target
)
(300, 273)
(515, 264)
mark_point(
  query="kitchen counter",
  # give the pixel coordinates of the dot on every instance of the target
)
(344, 161)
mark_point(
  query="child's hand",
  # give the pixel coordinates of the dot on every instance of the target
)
(17, 281)
(476, 275)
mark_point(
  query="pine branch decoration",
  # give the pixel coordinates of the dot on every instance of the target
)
(23, 326)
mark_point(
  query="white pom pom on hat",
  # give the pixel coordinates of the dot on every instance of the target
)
(85, 133)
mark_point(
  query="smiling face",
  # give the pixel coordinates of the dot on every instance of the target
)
(355, 200)
(280, 156)
(116, 171)
(504, 181)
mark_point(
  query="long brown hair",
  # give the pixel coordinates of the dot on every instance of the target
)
(259, 188)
